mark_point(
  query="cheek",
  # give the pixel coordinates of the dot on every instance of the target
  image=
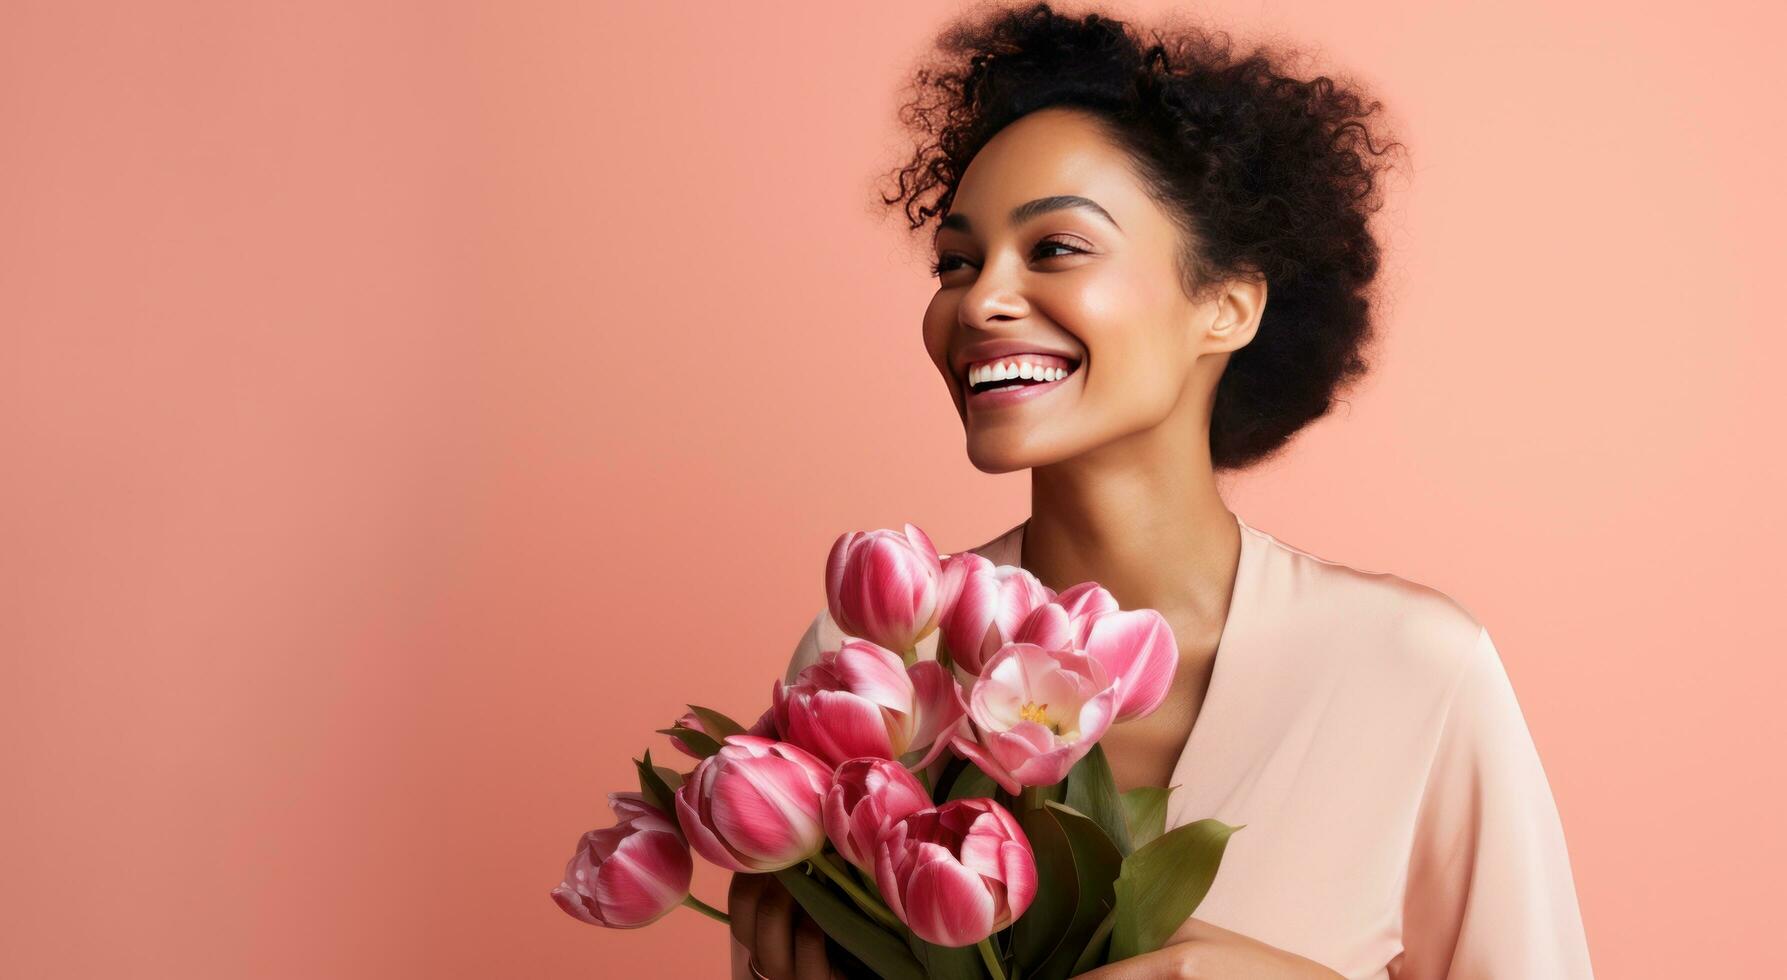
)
(938, 322)
(1113, 312)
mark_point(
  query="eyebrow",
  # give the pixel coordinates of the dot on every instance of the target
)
(1030, 209)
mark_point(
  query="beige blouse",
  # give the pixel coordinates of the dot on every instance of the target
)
(1399, 825)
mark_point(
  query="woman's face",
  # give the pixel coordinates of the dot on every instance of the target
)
(1099, 291)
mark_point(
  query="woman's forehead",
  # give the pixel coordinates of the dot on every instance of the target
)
(1048, 153)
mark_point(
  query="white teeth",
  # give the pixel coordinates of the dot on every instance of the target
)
(1015, 368)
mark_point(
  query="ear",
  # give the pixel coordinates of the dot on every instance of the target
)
(1236, 317)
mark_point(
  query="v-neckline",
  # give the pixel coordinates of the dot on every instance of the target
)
(1011, 552)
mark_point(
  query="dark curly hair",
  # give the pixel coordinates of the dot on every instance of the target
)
(1264, 174)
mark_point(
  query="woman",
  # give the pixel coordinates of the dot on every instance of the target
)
(1114, 216)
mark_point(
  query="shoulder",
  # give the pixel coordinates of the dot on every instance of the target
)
(1370, 617)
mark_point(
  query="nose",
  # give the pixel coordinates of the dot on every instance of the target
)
(994, 297)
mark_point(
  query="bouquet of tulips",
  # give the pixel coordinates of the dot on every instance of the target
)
(951, 817)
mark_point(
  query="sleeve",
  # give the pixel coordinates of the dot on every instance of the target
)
(1490, 895)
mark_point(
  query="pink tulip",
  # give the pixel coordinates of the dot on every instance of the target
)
(983, 605)
(1035, 712)
(862, 700)
(882, 586)
(1062, 621)
(628, 875)
(755, 805)
(957, 873)
(691, 721)
(866, 797)
(1135, 646)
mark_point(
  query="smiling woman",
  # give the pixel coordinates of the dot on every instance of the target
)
(1154, 262)
(1175, 150)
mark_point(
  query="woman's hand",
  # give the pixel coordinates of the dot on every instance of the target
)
(771, 933)
(1201, 951)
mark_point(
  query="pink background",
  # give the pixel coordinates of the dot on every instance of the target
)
(407, 406)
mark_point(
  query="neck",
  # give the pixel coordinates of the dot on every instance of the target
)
(1144, 521)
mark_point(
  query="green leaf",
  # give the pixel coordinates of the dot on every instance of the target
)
(671, 777)
(1037, 933)
(700, 743)
(653, 787)
(1162, 884)
(947, 962)
(1145, 813)
(971, 784)
(1093, 955)
(879, 949)
(1092, 791)
(1097, 863)
(949, 767)
(718, 725)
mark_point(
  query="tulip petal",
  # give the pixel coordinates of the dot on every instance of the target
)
(702, 840)
(971, 750)
(1138, 647)
(947, 904)
(1086, 599)
(1048, 625)
(647, 877)
(838, 725)
(1017, 868)
(768, 811)
(936, 702)
(874, 673)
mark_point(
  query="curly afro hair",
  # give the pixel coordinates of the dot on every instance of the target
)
(1264, 174)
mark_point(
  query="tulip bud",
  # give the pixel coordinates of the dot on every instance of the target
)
(957, 873)
(1035, 712)
(692, 722)
(866, 796)
(754, 806)
(628, 875)
(862, 700)
(984, 604)
(882, 586)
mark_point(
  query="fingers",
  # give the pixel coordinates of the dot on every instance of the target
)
(809, 952)
(774, 928)
(741, 906)
(782, 942)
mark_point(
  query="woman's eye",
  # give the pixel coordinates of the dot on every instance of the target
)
(1051, 243)
(949, 261)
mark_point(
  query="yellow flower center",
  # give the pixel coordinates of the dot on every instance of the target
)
(1039, 713)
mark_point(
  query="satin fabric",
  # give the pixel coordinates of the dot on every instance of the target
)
(1399, 824)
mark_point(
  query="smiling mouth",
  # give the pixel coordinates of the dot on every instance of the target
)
(1019, 382)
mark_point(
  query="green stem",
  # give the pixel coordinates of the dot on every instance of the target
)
(868, 903)
(1031, 798)
(707, 910)
(991, 959)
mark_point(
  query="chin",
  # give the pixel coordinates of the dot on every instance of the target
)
(1000, 456)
